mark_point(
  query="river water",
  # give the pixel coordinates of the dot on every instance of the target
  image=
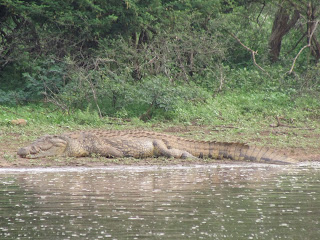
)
(238, 201)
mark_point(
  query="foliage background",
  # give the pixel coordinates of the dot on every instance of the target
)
(174, 60)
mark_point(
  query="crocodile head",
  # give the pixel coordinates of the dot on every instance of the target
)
(44, 147)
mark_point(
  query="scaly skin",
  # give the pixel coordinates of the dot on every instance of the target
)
(142, 144)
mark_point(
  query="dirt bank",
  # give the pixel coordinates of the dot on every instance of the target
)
(307, 150)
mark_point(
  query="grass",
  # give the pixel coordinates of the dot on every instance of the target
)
(233, 117)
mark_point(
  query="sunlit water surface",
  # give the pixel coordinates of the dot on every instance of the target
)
(242, 201)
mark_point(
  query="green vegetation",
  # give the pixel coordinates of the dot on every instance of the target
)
(160, 63)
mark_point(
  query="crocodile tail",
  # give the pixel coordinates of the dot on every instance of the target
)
(244, 152)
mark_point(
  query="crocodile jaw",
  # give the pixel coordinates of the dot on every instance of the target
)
(44, 147)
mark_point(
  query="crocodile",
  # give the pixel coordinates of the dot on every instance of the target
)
(143, 144)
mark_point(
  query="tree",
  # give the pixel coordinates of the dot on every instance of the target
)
(281, 26)
(288, 14)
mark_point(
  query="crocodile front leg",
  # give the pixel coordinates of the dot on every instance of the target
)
(105, 151)
(162, 150)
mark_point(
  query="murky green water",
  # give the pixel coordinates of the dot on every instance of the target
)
(200, 202)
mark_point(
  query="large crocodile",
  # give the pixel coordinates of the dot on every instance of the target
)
(142, 144)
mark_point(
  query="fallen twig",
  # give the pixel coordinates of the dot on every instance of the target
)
(279, 124)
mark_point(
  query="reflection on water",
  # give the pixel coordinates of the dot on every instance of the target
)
(199, 202)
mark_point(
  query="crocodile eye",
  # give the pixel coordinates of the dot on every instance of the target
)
(45, 146)
(34, 149)
(58, 142)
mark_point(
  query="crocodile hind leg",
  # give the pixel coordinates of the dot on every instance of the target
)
(161, 149)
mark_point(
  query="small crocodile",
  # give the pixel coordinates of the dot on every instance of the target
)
(143, 144)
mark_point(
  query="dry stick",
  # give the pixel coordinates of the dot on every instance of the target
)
(87, 78)
(279, 124)
(253, 53)
(222, 77)
(294, 47)
(263, 5)
(308, 45)
(95, 97)
(53, 99)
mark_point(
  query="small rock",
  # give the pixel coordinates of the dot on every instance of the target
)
(21, 122)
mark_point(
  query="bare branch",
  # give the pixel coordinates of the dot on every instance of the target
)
(253, 53)
(222, 78)
(95, 97)
(263, 5)
(299, 8)
(308, 45)
(294, 47)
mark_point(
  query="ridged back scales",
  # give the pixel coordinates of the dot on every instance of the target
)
(210, 149)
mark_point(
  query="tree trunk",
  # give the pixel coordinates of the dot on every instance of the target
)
(281, 26)
(315, 46)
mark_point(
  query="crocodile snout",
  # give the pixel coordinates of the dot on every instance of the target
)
(23, 152)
